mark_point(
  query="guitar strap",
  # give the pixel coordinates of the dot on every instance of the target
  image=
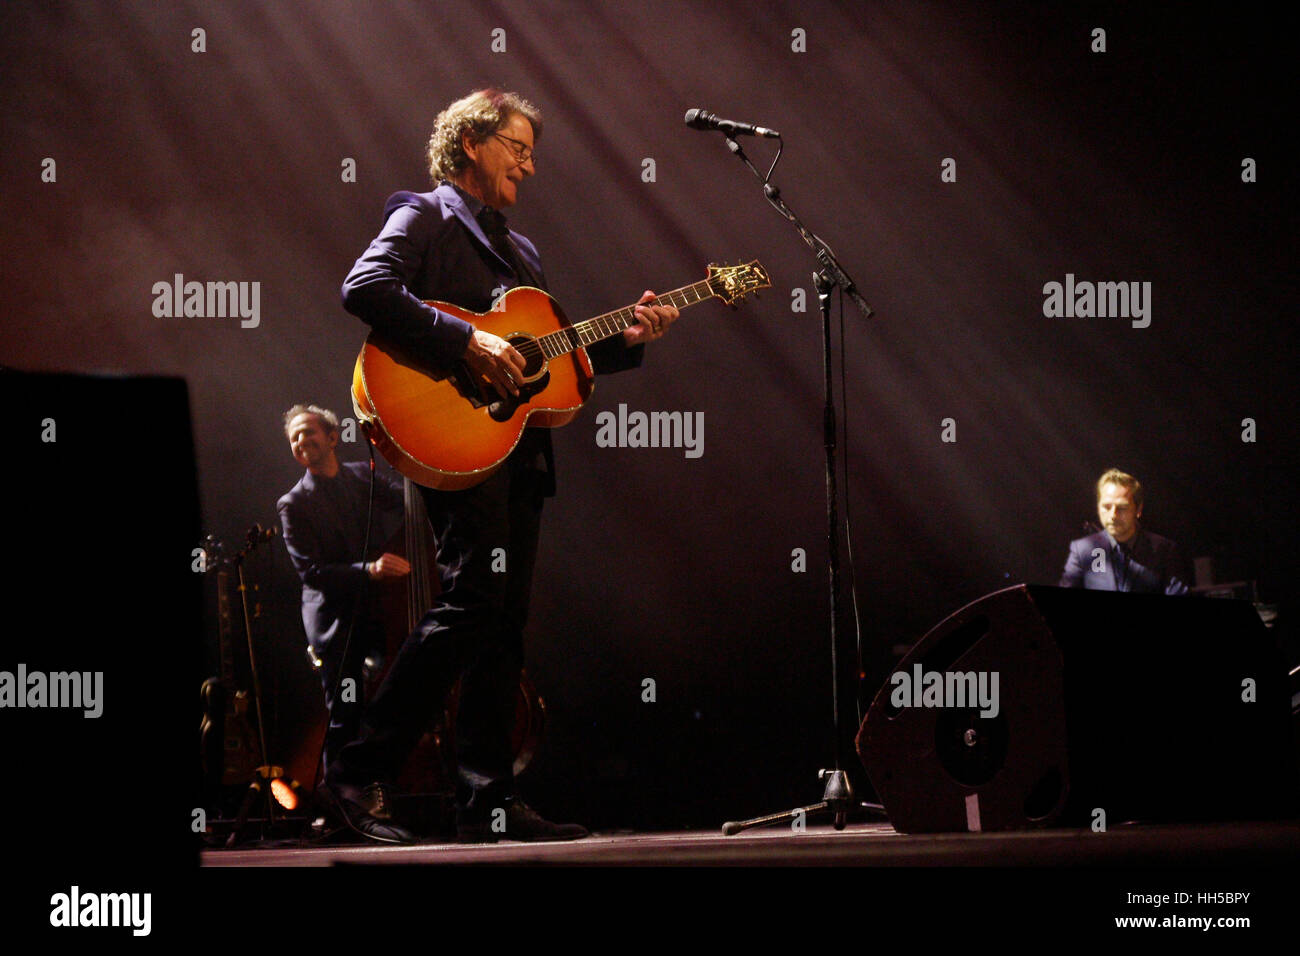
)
(522, 269)
(534, 447)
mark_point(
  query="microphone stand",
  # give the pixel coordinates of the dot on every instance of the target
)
(837, 797)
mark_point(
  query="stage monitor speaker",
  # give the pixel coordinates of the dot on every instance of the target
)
(1042, 706)
(100, 510)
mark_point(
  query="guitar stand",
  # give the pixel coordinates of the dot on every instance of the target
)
(266, 776)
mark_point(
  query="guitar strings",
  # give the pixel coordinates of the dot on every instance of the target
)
(605, 326)
(564, 340)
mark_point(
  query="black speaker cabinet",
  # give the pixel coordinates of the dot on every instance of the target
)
(1108, 708)
(100, 510)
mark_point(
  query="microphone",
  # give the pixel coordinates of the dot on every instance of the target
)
(702, 119)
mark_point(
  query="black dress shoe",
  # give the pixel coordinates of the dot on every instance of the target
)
(518, 822)
(367, 811)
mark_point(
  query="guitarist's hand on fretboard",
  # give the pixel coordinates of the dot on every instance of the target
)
(652, 321)
(496, 359)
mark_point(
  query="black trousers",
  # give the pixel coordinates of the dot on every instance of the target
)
(344, 714)
(487, 547)
(367, 637)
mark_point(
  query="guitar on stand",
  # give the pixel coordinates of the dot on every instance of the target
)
(262, 778)
(226, 740)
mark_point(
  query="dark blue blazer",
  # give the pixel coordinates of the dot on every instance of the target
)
(431, 246)
(1153, 565)
(325, 545)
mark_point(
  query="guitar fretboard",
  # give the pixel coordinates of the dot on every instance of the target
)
(223, 630)
(610, 324)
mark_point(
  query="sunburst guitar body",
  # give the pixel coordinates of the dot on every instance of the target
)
(451, 429)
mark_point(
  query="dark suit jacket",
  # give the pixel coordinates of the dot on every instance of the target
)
(325, 545)
(431, 246)
(1153, 566)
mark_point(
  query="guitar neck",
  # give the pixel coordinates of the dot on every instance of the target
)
(601, 327)
(223, 630)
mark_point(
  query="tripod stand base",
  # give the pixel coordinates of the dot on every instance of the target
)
(837, 798)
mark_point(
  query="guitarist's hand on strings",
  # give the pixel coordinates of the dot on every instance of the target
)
(496, 359)
(652, 321)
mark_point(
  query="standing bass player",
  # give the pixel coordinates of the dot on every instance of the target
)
(453, 245)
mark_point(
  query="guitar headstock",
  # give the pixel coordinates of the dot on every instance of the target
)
(733, 283)
(212, 553)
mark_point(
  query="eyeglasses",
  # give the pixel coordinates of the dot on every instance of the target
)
(522, 151)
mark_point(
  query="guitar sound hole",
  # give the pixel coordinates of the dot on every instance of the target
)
(527, 346)
(479, 392)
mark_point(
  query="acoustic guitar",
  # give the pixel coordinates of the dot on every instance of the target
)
(451, 429)
(229, 746)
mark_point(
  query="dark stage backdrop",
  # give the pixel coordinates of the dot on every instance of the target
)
(958, 157)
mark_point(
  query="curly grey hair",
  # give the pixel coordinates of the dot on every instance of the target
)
(481, 114)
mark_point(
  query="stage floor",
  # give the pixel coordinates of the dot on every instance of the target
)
(868, 844)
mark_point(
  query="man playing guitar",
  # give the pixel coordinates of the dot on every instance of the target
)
(453, 245)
